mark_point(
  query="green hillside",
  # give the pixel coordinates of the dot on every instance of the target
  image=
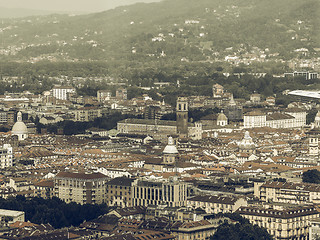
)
(194, 30)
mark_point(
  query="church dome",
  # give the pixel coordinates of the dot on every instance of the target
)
(247, 143)
(171, 147)
(19, 128)
(222, 117)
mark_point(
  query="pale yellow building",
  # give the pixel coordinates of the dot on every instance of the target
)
(284, 192)
(119, 192)
(80, 187)
(171, 192)
(159, 129)
(11, 216)
(196, 230)
(217, 204)
(87, 114)
(286, 223)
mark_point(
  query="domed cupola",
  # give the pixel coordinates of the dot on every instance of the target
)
(170, 152)
(222, 119)
(19, 128)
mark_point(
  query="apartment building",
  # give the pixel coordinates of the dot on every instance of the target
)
(254, 119)
(61, 92)
(119, 192)
(314, 229)
(80, 187)
(284, 223)
(217, 204)
(87, 114)
(200, 230)
(6, 156)
(103, 95)
(44, 189)
(284, 192)
(122, 94)
(170, 192)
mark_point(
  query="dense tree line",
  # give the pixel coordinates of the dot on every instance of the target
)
(242, 230)
(54, 211)
(194, 115)
(185, 78)
(311, 176)
(70, 127)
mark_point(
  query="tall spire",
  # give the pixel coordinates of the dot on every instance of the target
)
(232, 102)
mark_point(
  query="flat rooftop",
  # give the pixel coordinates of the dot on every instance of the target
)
(5, 212)
(304, 93)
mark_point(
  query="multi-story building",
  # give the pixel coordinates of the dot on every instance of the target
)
(217, 204)
(11, 216)
(306, 75)
(255, 98)
(80, 187)
(280, 120)
(314, 229)
(20, 184)
(103, 95)
(6, 156)
(122, 94)
(299, 114)
(44, 189)
(61, 92)
(87, 114)
(119, 192)
(200, 230)
(287, 119)
(8, 117)
(3, 117)
(284, 192)
(217, 90)
(283, 223)
(171, 192)
(152, 112)
(159, 129)
(254, 119)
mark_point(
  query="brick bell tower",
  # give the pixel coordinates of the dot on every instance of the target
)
(182, 117)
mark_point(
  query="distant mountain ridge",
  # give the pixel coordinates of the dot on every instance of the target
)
(23, 12)
(8, 12)
(194, 30)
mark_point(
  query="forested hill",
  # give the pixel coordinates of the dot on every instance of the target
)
(194, 30)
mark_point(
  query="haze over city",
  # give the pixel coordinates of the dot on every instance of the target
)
(162, 120)
(69, 5)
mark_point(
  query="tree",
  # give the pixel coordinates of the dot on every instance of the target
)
(54, 211)
(311, 115)
(244, 231)
(311, 176)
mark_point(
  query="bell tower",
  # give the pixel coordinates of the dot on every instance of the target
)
(313, 137)
(182, 117)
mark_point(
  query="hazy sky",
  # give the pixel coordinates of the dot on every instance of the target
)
(69, 5)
